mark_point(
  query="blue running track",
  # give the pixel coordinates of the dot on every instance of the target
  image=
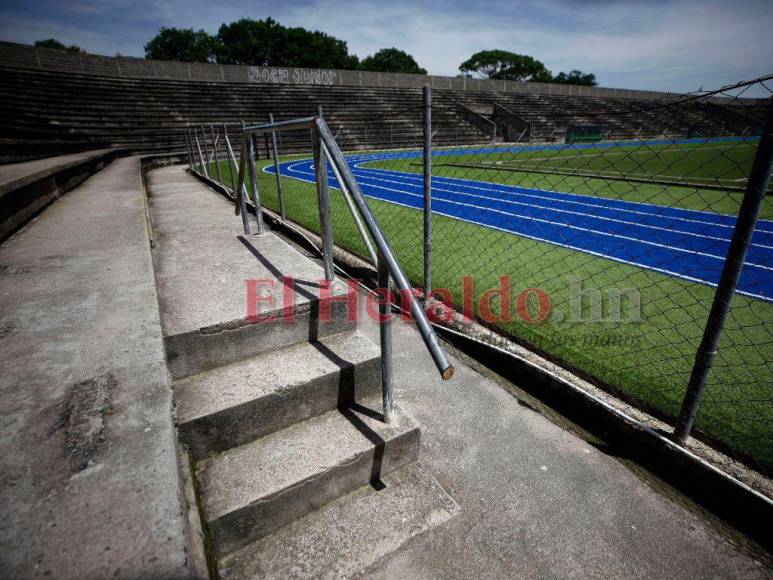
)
(687, 244)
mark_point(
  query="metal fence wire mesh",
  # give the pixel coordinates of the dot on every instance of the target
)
(622, 213)
(594, 230)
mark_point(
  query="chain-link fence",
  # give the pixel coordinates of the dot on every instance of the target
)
(594, 230)
(620, 214)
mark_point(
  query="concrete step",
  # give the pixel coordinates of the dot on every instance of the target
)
(252, 490)
(204, 265)
(348, 535)
(234, 404)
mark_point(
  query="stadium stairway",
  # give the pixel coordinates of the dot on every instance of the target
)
(122, 348)
(282, 416)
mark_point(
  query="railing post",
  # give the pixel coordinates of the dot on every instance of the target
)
(230, 158)
(215, 155)
(201, 157)
(240, 202)
(206, 150)
(254, 189)
(323, 200)
(275, 149)
(427, 191)
(731, 271)
(189, 149)
(385, 330)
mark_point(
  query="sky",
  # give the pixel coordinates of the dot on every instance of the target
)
(666, 45)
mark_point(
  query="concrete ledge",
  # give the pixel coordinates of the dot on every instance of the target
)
(91, 484)
(27, 188)
(259, 487)
(231, 405)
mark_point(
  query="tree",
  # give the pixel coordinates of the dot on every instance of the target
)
(504, 65)
(392, 60)
(268, 43)
(247, 41)
(576, 77)
(54, 43)
(186, 45)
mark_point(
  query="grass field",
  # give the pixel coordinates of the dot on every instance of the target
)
(648, 361)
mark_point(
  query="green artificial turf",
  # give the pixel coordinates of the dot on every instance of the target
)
(647, 360)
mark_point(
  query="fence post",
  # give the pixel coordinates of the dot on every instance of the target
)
(427, 191)
(323, 200)
(731, 271)
(385, 331)
(280, 192)
(215, 155)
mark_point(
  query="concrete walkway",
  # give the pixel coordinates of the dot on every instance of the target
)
(535, 499)
(89, 482)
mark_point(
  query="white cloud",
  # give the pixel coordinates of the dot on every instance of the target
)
(653, 44)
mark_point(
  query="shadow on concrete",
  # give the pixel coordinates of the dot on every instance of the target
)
(347, 405)
(299, 287)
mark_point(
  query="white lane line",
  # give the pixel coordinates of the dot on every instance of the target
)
(611, 152)
(563, 245)
(578, 228)
(590, 215)
(463, 183)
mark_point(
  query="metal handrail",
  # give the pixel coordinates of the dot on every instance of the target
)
(385, 250)
(326, 150)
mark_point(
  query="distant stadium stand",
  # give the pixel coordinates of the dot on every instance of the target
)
(57, 103)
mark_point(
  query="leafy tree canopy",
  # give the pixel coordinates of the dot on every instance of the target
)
(268, 43)
(504, 65)
(181, 44)
(575, 77)
(54, 43)
(392, 60)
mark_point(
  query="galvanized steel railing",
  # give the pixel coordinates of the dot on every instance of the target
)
(325, 150)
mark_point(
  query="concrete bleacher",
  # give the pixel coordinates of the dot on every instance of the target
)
(550, 115)
(150, 115)
(65, 107)
(28, 187)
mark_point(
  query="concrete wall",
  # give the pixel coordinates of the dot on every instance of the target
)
(25, 56)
